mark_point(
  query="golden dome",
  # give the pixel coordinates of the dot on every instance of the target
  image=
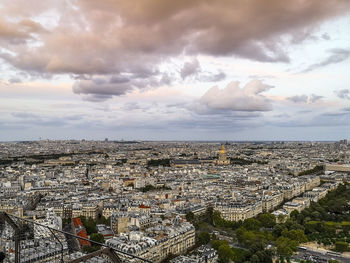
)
(222, 151)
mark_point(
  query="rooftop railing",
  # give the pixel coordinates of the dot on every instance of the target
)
(27, 241)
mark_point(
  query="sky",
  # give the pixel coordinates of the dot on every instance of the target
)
(175, 70)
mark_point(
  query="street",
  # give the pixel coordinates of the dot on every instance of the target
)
(318, 256)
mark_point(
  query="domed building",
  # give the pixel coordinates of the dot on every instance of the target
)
(222, 159)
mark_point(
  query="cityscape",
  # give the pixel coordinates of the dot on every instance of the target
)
(152, 199)
(174, 131)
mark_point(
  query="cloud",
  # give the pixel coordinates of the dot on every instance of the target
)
(343, 94)
(335, 114)
(314, 98)
(24, 115)
(101, 86)
(234, 98)
(325, 36)
(95, 97)
(337, 55)
(109, 37)
(15, 80)
(25, 120)
(16, 33)
(212, 77)
(190, 69)
(193, 69)
(99, 89)
(305, 98)
(298, 98)
(327, 119)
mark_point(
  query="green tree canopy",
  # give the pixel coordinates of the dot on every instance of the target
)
(225, 254)
(294, 214)
(203, 238)
(267, 220)
(285, 246)
(217, 243)
(297, 235)
(252, 224)
(190, 216)
(97, 237)
(89, 225)
(341, 246)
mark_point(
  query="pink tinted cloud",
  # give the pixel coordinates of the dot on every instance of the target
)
(118, 38)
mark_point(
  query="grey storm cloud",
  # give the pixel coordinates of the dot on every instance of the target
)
(29, 119)
(314, 98)
(305, 98)
(95, 97)
(190, 68)
(211, 77)
(298, 98)
(233, 98)
(193, 69)
(325, 36)
(343, 94)
(24, 115)
(102, 88)
(337, 55)
(336, 114)
(328, 119)
(15, 80)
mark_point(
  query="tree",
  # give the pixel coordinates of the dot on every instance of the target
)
(66, 221)
(209, 215)
(248, 238)
(239, 234)
(203, 238)
(97, 237)
(90, 226)
(294, 214)
(261, 255)
(88, 249)
(103, 220)
(285, 246)
(341, 246)
(254, 259)
(217, 243)
(157, 162)
(252, 224)
(345, 226)
(267, 220)
(190, 216)
(220, 222)
(225, 254)
(291, 224)
(240, 255)
(278, 229)
(281, 218)
(297, 235)
(316, 215)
